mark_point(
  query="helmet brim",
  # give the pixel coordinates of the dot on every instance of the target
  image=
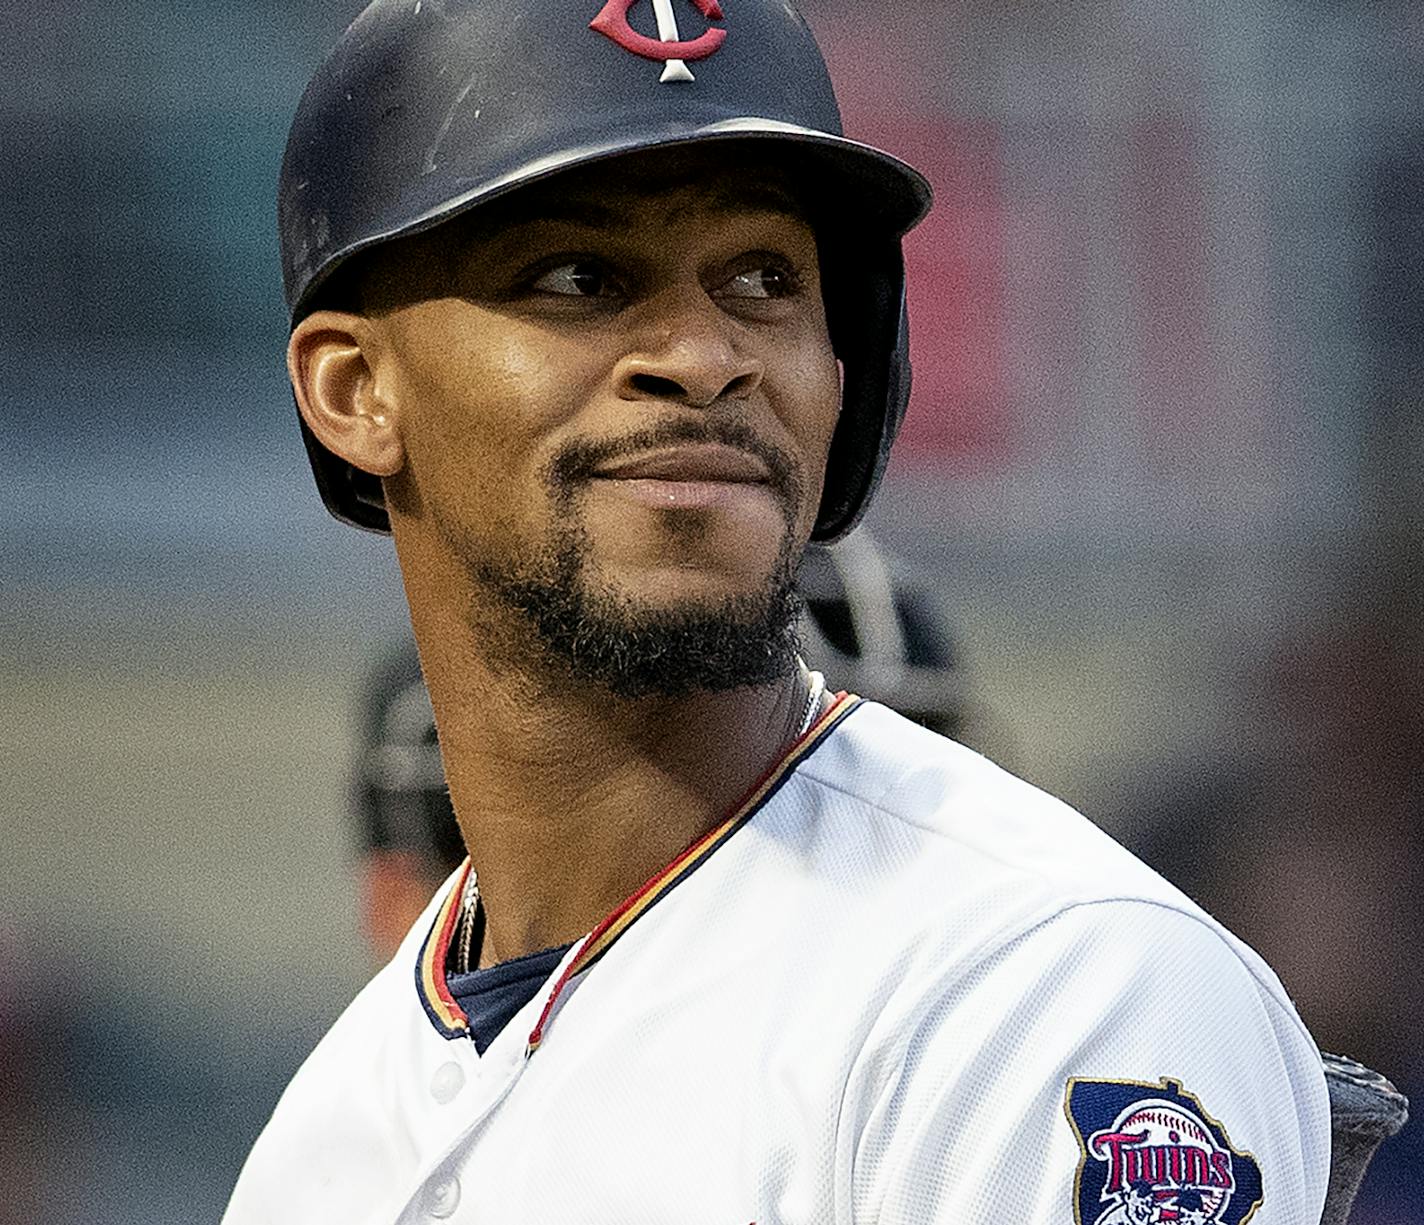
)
(873, 191)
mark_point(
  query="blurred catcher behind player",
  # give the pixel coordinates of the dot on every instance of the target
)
(598, 313)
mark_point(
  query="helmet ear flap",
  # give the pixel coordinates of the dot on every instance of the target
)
(351, 495)
(870, 332)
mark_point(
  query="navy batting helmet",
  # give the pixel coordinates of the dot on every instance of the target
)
(428, 108)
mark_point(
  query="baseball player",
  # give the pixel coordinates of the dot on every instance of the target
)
(598, 313)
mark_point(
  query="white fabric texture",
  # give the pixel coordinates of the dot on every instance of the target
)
(864, 1007)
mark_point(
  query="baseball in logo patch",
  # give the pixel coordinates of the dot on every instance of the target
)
(1151, 1153)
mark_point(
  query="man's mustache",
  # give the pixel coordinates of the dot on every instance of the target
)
(579, 461)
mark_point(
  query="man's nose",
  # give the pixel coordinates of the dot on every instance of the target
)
(688, 350)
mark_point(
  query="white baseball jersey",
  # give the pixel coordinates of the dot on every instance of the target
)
(899, 985)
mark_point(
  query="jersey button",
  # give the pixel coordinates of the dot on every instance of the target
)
(443, 1198)
(448, 1080)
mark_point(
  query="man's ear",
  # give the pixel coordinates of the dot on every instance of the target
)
(330, 359)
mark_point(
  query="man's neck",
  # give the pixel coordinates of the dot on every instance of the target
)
(570, 799)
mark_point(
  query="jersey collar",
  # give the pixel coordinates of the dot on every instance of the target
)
(435, 995)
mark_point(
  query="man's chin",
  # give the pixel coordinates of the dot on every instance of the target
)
(700, 639)
(603, 612)
(682, 591)
(633, 645)
(722, 562)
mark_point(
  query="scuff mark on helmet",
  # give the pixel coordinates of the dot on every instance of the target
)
(432, 164)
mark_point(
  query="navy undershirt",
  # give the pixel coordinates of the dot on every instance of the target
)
(489, 998)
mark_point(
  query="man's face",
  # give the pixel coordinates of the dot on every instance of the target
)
(616, 411)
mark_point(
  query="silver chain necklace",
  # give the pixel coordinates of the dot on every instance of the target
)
(816, 691)
(469, 913)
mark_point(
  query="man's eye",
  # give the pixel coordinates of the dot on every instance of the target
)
(770, 281)
(577, 278)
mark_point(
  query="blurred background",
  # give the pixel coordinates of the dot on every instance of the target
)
(1162, 475)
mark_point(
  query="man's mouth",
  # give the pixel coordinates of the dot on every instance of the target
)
(689, 463)
(688, 476)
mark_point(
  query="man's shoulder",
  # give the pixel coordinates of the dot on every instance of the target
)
(963, 816)
(948, 859)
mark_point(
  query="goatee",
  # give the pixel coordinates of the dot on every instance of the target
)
(600, 637)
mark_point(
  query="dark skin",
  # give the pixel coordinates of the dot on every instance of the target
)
(632, 295)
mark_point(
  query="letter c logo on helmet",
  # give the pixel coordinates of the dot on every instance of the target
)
(612, 21)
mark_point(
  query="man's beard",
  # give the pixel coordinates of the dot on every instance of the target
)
(597, 636)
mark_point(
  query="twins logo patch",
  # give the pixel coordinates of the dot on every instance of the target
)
(1150, 1153)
